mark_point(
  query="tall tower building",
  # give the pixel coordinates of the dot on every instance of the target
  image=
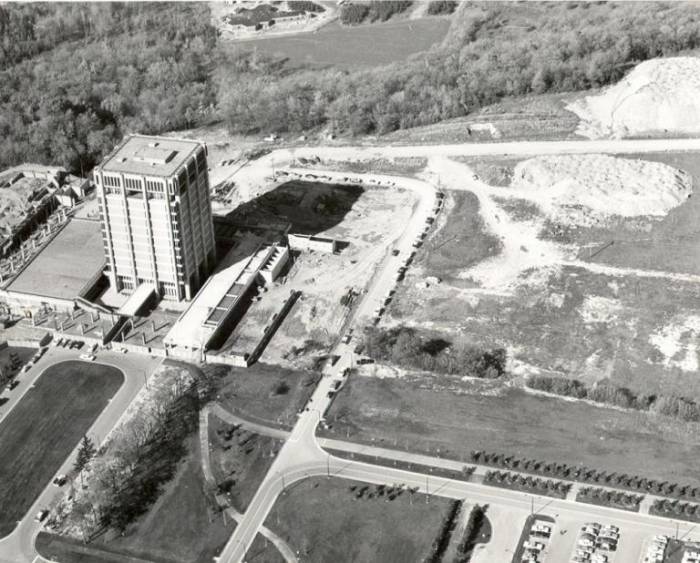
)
(156, 215)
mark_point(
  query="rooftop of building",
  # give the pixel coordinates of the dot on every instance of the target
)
(149, 156)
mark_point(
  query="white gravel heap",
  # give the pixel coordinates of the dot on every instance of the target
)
(580, 188)
(658, 96)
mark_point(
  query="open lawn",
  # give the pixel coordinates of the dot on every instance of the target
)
(325, 521)
(183, 526)
(446, 417)
(352, 47)
(240, 460)
(263, 393)
(44, 427)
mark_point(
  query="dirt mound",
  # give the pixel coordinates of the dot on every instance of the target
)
(658, 96)
(583, 189)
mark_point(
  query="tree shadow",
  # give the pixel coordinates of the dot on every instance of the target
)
(309, 207)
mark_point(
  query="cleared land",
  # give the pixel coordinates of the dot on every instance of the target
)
(40, 432)
(263, 393)
(447, 417)
(361, 46)
(67, 263)
(572, 290)
(368, 219)
(183, 526)
(325, 521)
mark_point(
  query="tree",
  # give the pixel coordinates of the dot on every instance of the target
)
(86, 452)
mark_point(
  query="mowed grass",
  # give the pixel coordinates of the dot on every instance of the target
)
(44, 427)
(183, 526)
(323, 520)
(453, 418)
(352, 47)
(263, 393)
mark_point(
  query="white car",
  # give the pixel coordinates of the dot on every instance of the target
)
(41, 515)
(87, 357)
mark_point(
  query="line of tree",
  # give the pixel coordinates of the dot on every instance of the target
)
(607, 393)
(676, 509)
(510, 480)
(445, 535)
(587, 475)
(493, 50)
(473, 531)
(606, 497)
(405, 347)
(127, 477)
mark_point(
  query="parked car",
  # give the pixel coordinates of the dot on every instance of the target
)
(60, 480)
(87, 357)
(41, 515)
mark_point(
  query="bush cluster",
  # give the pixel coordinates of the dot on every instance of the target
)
(607, 393)
(353, 13)
(510, 480)
(441, 7)
(443, 539)
(405, 347)
(587, 475)
(676, 509)
(606, 497)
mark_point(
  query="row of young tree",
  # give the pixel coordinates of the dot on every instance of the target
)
(587, 475)
(510, 480)
(442, 541)
(676, 509)
(606, 497)
(607, 393)
(493, 50)
(405, 347)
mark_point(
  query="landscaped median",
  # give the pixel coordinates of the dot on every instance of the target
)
(527, 483)
(613, 499)
(676, 509)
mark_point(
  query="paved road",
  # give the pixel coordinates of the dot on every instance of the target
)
(301, 456)
(18, 547)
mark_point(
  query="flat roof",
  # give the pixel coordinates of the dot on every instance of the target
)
(63, 267)
(149, 156)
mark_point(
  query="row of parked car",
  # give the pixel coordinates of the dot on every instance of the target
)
(596, 543)
(534, 547)
(656, 551)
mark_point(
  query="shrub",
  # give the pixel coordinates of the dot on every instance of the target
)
(441, 7)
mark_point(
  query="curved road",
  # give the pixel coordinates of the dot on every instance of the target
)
(301, 456)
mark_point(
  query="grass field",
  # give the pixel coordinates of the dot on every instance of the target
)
(240, 460)
(44, 427)
(263, 393)
(183, 526)
(450, 418)
(323, 520)
(352, 47)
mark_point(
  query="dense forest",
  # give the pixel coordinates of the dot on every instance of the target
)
(76, 77)
(493, 50)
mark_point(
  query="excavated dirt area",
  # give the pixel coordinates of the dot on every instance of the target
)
(579, 265)
(660, 96)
